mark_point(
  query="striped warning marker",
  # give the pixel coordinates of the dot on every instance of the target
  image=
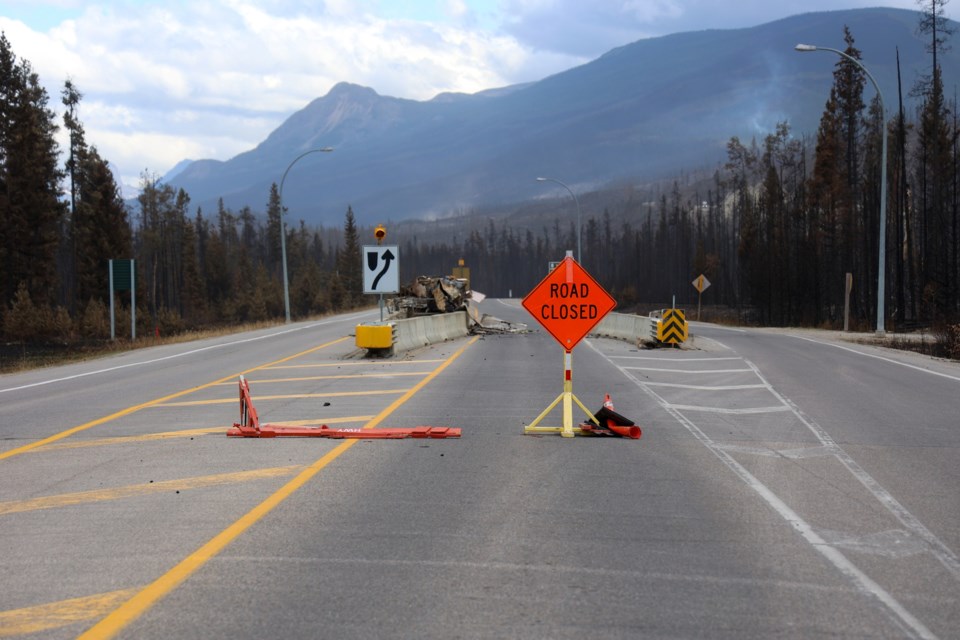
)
(672, 327)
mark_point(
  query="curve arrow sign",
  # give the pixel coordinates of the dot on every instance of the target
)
(388, 257)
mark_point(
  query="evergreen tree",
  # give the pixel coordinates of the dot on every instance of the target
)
(23, 321)
(30, 209)
(274, 258)
(101, 227)
(935, 179)
(193, 303)
(834, 192)
(71, 97)
(349, 266)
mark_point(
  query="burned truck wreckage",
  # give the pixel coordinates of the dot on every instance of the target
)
(428, 295)
(431, 295)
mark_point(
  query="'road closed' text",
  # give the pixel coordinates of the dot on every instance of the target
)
(568, 305)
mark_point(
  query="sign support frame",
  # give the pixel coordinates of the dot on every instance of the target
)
(567, 397)
(131, 265)
(700, 284)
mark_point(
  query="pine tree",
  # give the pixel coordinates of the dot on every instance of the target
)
(31, 212)
(274, 258)
(834, 193)
(193, 303)
(101, 227)
(349, 266)
(23, 322)
(935, 175)
(71, 96)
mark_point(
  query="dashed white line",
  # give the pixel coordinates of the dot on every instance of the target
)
(724, 410)
(700, 387)
(691, 371)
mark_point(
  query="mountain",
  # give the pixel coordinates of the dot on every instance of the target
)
(642, 111)
(177, 169)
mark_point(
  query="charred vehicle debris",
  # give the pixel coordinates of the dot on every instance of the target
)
(431, 295)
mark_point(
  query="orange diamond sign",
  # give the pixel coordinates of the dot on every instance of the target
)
(568, 303)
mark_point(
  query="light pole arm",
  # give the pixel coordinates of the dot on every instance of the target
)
(283, 229)
(575, 200)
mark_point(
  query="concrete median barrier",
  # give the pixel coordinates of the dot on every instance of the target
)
(412, 333)
(623, 326)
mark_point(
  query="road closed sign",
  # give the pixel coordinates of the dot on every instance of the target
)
(568, 303)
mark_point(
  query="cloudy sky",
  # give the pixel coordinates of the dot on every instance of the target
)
(165, 80)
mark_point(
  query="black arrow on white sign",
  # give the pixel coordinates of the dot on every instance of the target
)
(387, 259)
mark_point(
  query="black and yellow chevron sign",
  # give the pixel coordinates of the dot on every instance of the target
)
(673, 327)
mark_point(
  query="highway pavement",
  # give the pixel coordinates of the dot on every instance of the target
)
(788, 484)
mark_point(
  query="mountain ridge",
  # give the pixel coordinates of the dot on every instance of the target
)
(643, 110)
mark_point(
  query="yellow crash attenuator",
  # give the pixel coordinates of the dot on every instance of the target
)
(374, 336)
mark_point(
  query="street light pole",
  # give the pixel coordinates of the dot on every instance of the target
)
(881, 269)
(283, 230)
(576, 200)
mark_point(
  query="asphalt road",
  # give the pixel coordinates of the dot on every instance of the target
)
(787, 485)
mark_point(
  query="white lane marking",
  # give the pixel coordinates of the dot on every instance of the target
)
(907, 622)
(940, 551)
(807, 452)
(792, 454)
(893, 543)
(754, 451)
(180, 355)
(870, 355)
(688, 370)
(724, 410)
(701, 387)
(673, 359)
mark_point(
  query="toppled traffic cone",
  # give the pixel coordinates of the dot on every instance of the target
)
(611, 423)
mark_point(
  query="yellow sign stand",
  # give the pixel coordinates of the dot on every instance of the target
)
(567, 397)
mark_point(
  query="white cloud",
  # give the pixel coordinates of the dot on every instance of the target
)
(158, 78)
(167, 80)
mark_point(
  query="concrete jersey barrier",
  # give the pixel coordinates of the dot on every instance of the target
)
(627, 327)
(413, 333)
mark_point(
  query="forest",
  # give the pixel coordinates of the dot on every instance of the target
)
(776, 228)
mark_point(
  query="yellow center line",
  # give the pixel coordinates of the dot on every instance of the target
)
(100, 442)
(129, 410)
(136, 606)
(186, 433)
(357, 376)
(53, 615)
(375, 363)
(294, 396)
(182, 484)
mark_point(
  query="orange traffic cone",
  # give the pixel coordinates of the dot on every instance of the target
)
(615, 422)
